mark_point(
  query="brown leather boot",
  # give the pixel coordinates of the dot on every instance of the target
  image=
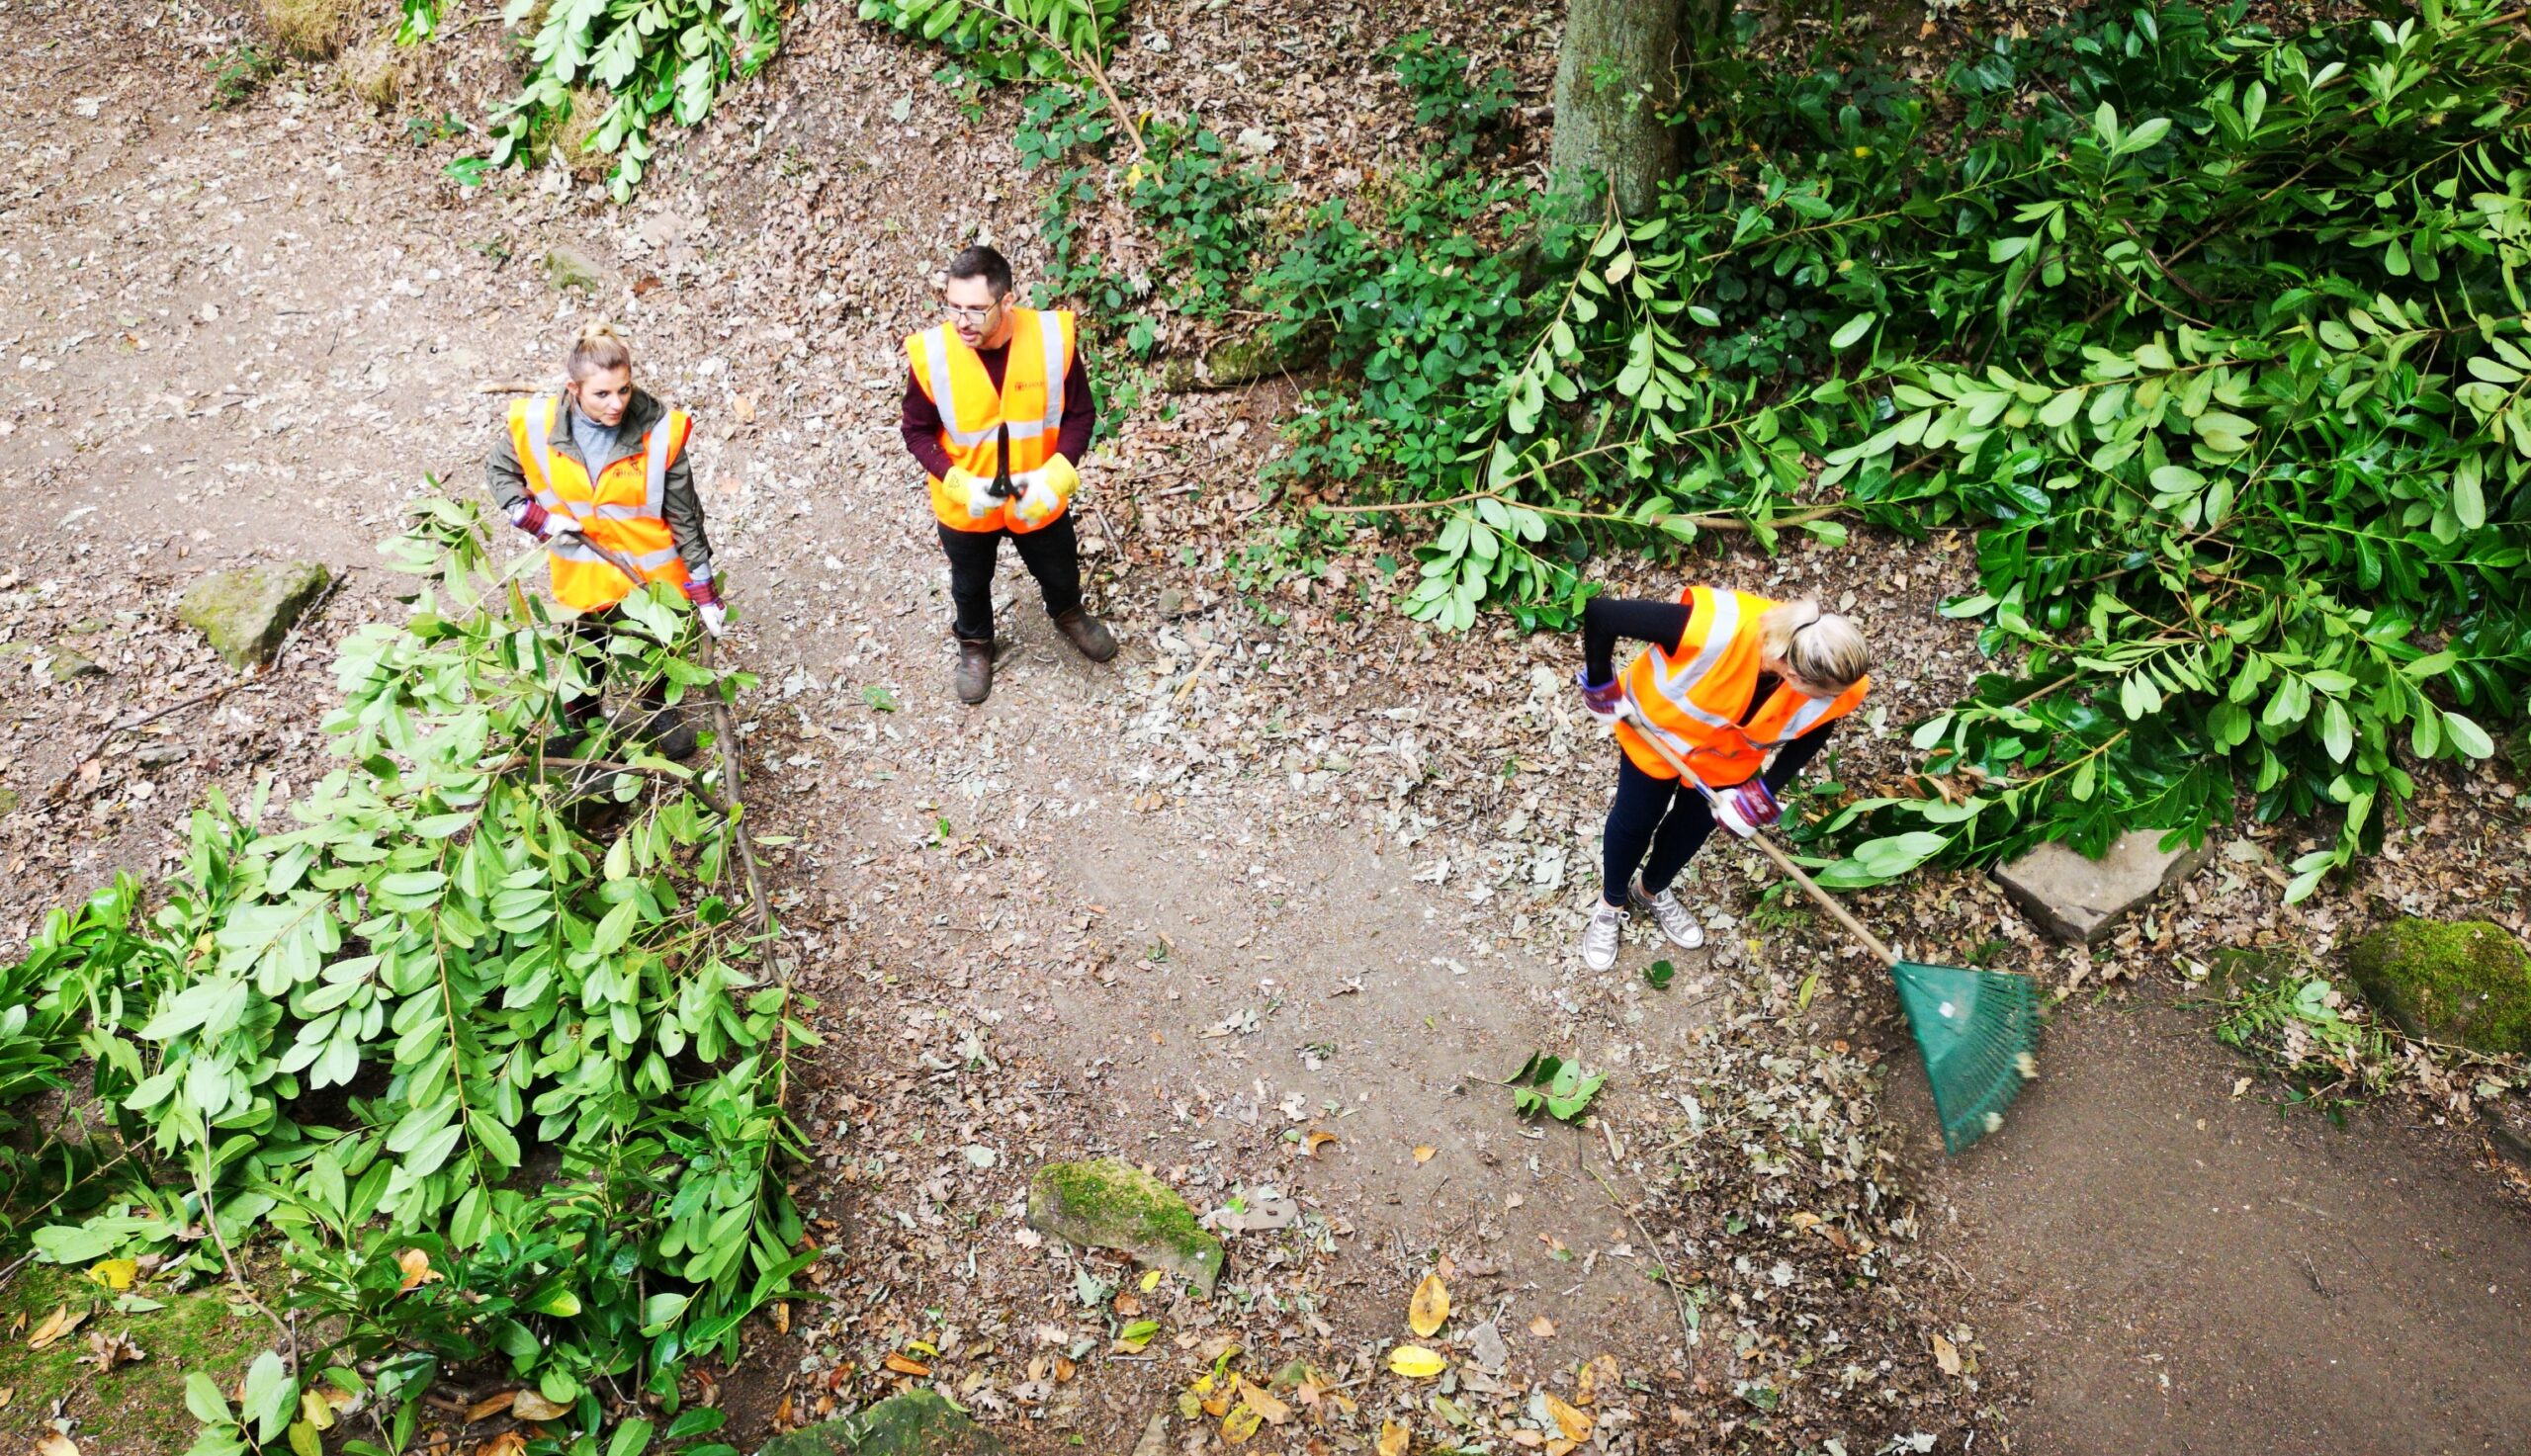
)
(975, 671)
(1088, 634)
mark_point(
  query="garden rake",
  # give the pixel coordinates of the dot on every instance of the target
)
(1975, 1029)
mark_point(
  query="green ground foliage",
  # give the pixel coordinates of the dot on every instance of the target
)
(474, 1039)
(2212, 336)
(2461, 981)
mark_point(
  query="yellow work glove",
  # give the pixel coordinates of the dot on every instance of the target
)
(1049, 493)
(975, 490)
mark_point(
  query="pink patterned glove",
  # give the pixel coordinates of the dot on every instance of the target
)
(1602, 699)
(1745, 808)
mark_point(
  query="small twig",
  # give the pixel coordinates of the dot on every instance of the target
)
(1088, 62)
(228, 1258)
(1669, 1276)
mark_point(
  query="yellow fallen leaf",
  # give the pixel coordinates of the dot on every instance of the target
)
(1562, 1447)
(1430, 1307)
(1424, 1155)
(1599, 1375)
(1316, 1140)
(1416, 1362)
(315, 1410)
(1239, 1424)
(417, 1270)
(1947, 1355)
(532, 1405)
(1542, 1327)
(743, 407)
(56, 1324)
(1275, 1411)
(1575, 1424)
(1151, 1280)
(1393, 1438)
(114, 1274)
(54, 1443)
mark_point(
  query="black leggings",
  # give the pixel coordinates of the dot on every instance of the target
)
(1661, 815)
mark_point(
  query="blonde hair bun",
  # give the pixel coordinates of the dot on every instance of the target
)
(598, 348)
(1823, 648)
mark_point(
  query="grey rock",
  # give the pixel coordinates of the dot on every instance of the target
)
(919, 1422)
(1108, 1204)
(568, 268)
(160, 755)
(245, 613)
(70, 666)
(2079, 900)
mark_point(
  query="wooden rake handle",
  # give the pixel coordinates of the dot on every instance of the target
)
(1765, 845)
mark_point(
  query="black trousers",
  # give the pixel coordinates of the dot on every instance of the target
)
(1658, 823)
(1051, 553)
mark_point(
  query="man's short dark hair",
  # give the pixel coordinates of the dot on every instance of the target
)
(985, 263)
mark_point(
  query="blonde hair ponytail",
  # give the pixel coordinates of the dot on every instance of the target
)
(598, 348)
(1820, 647)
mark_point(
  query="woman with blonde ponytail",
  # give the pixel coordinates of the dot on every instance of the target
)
(1729, 678)
(601, 461)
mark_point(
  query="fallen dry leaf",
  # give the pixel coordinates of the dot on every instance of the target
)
(1316, 1138)
(489, 1407)
(1257, 1400)
(507, 1443)
(782, 1316)
(54, 1443)
(530, 1405)
(108, 1350)
(743, 407)
(114, 1274)
(903, 1366)
(417, 1270)
(1424, 1155)
(1393, 1438)
(1575, 1424)
(1947, 1355)
(1599, 1375)
(1542, 1327)
(56, 1324)
(1431, 1306)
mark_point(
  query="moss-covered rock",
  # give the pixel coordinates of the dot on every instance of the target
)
(1107, 1204)
(245, 613)
(568, 268)
(916, 1424)
(2466, 981)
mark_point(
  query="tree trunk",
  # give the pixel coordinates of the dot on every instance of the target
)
(1614, 80)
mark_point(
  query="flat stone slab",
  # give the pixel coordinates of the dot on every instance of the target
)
(1107, 1204)
(916, 1424)
(2081, 900)
(246, 613)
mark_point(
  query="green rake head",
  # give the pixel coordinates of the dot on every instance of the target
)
(1976, 1031)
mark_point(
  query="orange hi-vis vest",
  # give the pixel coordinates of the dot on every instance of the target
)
(621, 510)
(1692, 699)
(972, 413)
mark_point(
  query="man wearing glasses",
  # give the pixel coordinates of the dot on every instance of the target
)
(998, 410)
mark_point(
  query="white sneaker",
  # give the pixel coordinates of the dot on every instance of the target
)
(1600, 938)
(1673, 918)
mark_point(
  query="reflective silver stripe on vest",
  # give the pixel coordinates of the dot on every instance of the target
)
(571, 548)
(663, 435)
(540, 448)
(944, 389)
(1050, 339)
(1677, 683)
(1809, 713)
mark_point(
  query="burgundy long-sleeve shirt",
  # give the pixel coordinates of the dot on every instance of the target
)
(921, 423)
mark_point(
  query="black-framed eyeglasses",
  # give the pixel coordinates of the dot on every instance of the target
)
(971, 315)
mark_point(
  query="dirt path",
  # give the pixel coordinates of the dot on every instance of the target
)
(2178, 1269)
(1249, 882)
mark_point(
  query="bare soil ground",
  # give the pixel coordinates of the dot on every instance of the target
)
(1262, 877)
